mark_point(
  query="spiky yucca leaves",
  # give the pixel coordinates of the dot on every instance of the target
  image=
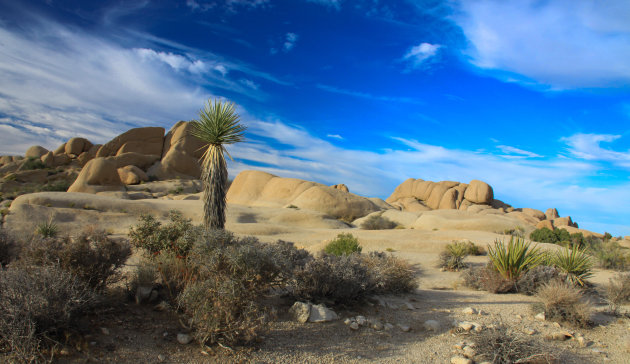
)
(575, 263)
(217, 126)
(514, 259)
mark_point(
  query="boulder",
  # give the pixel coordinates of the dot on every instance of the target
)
(147, 140)
(77, 146)
(35, 151)
(181, 154)
(537, 214)
(32, 176)
(48, 159)
(551, 214)
(99, 174)
(562, 221)
(88, 155)
(321, 313)
(142, 161)
(256, 188)
(449, 199)
(60, 150)
(479, 192)
(437, 191)
(61, 160)
(545, 224)
(300, 311)
(341, 187)
(132, 175)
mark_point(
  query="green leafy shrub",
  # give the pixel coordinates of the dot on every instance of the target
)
(343, 244)
(533, 279)
(610, 255)
(515, 258)
(47, 229)
(563, 302)
(92, 257)
(178, 236)
(543, 235)
(39, 305)
(618, 290)
(378, 222)
(33, 163)
(574, 263)
(452, 258)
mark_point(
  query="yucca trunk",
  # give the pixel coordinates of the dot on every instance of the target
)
(214, 177)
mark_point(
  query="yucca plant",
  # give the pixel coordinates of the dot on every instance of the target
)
(217, 126)
(575, 263)
(515, 258)
(452, 258)
(47, 229)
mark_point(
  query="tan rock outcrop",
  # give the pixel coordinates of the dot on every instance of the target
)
(142, 161)
(341, 187)
(563, 221)
(60, 149)
(147, 140)
(35, 151)
(551, 214)
(479, 192)
(132, 175)
(61, 160)
(77, 146)
(88, 155)
(48, 159)
(534, 213)
(181, 154)
(545, 224)
(256, 188)
(99, 174)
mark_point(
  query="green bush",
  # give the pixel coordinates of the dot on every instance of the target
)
(452, 258)
(343, 244)
(515, 258)
(575, 264)
(378, 222)
(610, 255)
(543, 235)
(47, 229)
(563, 302)
(33, 163)
(178, 236)
(91, 257)
(39, 305)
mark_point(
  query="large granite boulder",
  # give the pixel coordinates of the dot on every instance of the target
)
(147, 140)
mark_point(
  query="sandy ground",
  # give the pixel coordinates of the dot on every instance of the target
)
(137, 334)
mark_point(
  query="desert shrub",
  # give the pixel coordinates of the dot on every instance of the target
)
(487, 278)
(543, 235)
(389, 274)
(58, 186)
(92, 257)
(533, 279)
(33, 163)
(503, 346)
(577, 240)
(178, 236)
(517, 231)
(378, 222)
(515, 258)
(473, 249)
(574, 263)
(8, 248)
(47, 229)
(610, 255)
(39, 305)
(618, 290)
(607, 236)
(563, 302)
(452, 258)
(343, 244)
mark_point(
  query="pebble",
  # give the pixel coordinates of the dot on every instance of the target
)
(404, 328)
(432, 325)
(409, 306)
(460, 360)
(540, 316)
(469, 311)
(354, 325)
(161, 357)
(469, 352)
(466, 326)
(184, 339)
(105, 330)
(555, 324)
(348, 321)
(559, 336)
(519, 317)
(377, 326)
(361, 320)
(530, 331)
(388, 326)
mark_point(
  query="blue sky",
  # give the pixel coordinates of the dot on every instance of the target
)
(532, 97)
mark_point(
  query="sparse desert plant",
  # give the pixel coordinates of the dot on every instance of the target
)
(618, 290)
(474, 249)
(8, 248)
(33, 163)
(575, 264)
(178, 236)
(487, 278)
(564, 302)
(47, 229)
(533, 279)
(389, 275)
(39, 305)
(503, 346)
(377, 222)
(452, 258)
(517, 231)
(91, 257)
(543, 235)
(610, 255)
(515, 258)
(343, 244)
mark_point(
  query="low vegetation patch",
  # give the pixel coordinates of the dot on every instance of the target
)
(47, 229)
(378, 222)
(8, 247)
(533, 279)
(177, 236)
(487, 278)
(452, 258)
(33, 163)
(574, 263)
(343, 244)
(618, 290)
(562, 301)
(501, 345)
(515, 258)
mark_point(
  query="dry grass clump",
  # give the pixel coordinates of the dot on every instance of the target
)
(533, 279)
(378, 222)
(8, 248)
(561, 301)
(452, 258)
(487, 278)
(503, 346)
(389, 274)
(618, 290)
(39, 305)
(91, 257)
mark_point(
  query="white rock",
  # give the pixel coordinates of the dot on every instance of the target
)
(466, 326)
(161, 357)
(348, 321)
(320, 313)
(460, 360)
(540, 316)
(184, 339)
(388, 326)
(404, 328)
(143, 294)
(410, 306)
(354, 326)
(469, 352)
(469, 311)
(361, 320)
(432, 325)
(301, 311)
(377, 326)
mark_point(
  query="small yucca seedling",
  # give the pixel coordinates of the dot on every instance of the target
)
(48, 229)
(452, 258)
(515, 258)
(575, 263)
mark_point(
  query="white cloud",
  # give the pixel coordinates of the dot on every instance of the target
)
(249, 83)
(419, 54)
(516, 152)
(335, 136)
(558, 182)
(178, 62)
(290, 40)
(365, 95)
(561, 44)
(588, 147)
